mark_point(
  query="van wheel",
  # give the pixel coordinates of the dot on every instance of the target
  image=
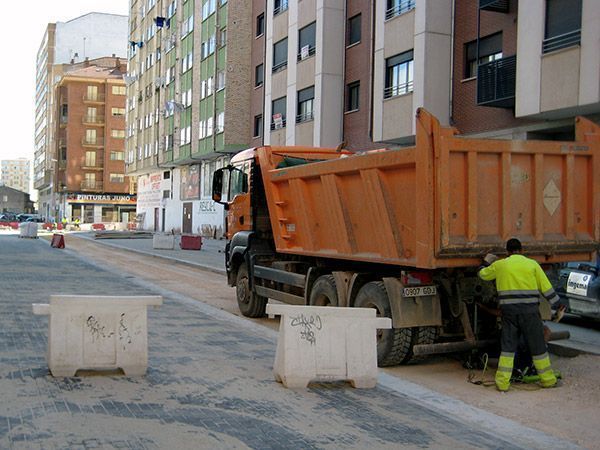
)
(394, 346)
(324, 292)
(250, 303)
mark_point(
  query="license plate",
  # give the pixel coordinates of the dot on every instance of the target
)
(419, 291)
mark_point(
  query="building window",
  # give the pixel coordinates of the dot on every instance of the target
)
(208, 8)
(306, 41)
(398, 75)
(116, 112)
(119, 134)
(490, 49)
(92, 93)
(280, 55)
(117, 178)
(352, 96)
(563, 24)
(117, 156)
(220, 122)
(119, 90)
(397, 7)
(259, 75)
(258, 126)
(278, 109)
(305, 104)
(223, 37)
(220, 80)
(353, 30)
(260, 25)
(279, 6)
(90, 159)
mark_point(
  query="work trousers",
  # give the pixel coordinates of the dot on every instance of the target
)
(526, 323)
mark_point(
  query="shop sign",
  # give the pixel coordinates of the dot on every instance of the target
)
(123, 199)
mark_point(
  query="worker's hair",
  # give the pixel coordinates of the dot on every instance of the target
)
(513, 245)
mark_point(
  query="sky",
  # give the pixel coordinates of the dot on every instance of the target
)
(21, 37)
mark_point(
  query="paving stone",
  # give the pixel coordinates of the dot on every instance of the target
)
(209, 383)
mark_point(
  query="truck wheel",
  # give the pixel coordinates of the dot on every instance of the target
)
(324, 292)
(394, 346)
(250, 303)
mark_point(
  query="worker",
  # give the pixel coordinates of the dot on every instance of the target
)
(64, 222)
(77, 223)
(519, 282)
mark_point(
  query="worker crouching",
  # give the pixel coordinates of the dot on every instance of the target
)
(519, 282)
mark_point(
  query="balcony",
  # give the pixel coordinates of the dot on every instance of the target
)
(92, 141)
(93, 98)
(496, 83)
(93, 120)
(91, 185)
(494, 5)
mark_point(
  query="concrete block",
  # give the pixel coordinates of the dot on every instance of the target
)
(163, 241)
(28, 229)
(319, 343)
(97, 332)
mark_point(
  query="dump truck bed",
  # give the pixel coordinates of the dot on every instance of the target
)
(443, 203)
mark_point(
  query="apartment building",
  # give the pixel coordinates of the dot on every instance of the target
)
(506, 85)
(188, 106)
(90, 36)
(16, 173)
(90, 182)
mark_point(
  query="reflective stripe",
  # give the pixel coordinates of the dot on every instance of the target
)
(507, 355)
(549, 293)
(505, 369)
(554, 299)
(541, 371)
(518, 293)
(540, 357)
(516, 301)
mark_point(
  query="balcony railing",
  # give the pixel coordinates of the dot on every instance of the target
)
(279, 67)
(306, 117)
(93, 98)
(92, 141)
(92, 120)
(91, 185)
(561, 41)
(283, 6)
(400, 7)
(496, 83)
(494, 5)
(400, 89)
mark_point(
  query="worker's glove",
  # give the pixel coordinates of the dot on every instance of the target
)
(559, 313)
(489, 259)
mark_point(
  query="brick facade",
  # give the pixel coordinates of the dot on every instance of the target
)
(466, 115)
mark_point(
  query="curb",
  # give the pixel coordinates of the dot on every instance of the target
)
(200, 266)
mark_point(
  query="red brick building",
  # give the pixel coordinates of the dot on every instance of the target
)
(90, 181)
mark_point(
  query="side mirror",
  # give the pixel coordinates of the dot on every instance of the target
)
(217, 186)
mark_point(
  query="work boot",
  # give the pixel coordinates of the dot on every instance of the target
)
(544, 370)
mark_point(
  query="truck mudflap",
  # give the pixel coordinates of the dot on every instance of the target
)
(412, 311)
(463, 346)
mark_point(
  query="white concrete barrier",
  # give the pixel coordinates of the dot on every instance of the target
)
(163, 241)
(97, 332)
(322, 343)
(28, 230)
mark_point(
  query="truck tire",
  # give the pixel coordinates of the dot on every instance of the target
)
(394, 346)
(324, 292)
(250, 303)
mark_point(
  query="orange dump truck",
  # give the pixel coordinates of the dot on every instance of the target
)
(404, 231)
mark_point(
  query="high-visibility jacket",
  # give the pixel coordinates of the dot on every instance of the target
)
(519, 280)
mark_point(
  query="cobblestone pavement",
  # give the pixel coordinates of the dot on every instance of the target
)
(209, 382)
